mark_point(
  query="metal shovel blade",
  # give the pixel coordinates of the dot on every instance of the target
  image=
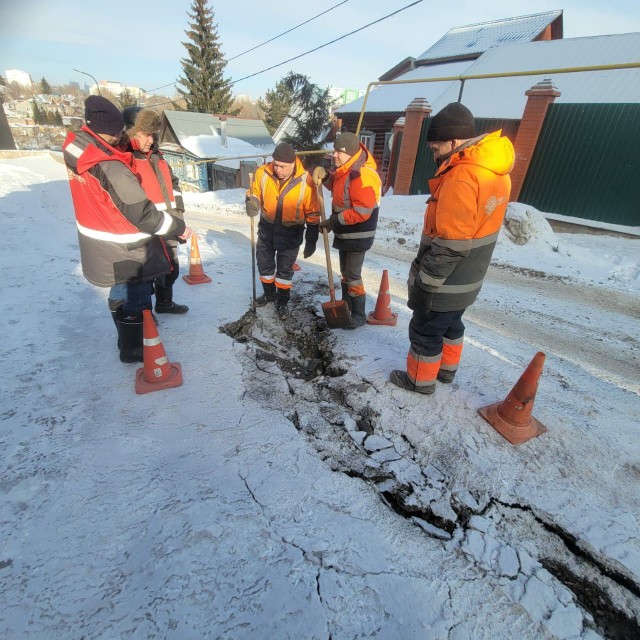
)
(337, 314)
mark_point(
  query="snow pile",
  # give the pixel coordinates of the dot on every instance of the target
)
(523, 224)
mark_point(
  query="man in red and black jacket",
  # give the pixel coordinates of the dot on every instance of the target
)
(119, 228)
(161, 187)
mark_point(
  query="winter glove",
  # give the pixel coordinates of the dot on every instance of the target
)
(253, 207)
(310, 239)
(420, 300)
(329, 224)
(319, 174)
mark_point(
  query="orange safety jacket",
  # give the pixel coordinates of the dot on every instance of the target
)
(284, 208)
(356, 190)
(469, 198)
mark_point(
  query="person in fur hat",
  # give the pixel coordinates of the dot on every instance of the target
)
(162, 188)
(120, 230)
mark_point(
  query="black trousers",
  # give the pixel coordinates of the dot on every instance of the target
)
(274, 264)
(426, 332)
(351, 271)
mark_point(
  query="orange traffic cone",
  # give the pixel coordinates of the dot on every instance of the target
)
(512, 418)
(382, 313)
(157, 372)
(196, 272)
(296, 266)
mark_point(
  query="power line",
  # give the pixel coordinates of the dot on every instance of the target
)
(257, 73)
(263, 43)
(285, 32)
(326, 44)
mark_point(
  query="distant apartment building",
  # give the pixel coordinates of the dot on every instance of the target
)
(20, 77)
(116, 88)
(344, 96)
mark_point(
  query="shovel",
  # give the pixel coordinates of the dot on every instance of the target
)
(253, 254)
(336, 312)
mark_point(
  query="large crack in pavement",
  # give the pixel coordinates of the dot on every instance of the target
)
(291, 367)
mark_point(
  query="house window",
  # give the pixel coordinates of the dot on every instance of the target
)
(368, 138)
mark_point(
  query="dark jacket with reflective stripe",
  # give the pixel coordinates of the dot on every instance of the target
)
(119, 228)
(469, 198)
(356, 190)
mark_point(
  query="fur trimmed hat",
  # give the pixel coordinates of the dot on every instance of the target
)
(453, 122)
(284, 153)
(142, 120)
(347, 143)
(102, 116)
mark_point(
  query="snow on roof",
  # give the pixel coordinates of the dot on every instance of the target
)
(505, 97)
(186, 123)
(211, 146)
(473, 39)
(396, 97)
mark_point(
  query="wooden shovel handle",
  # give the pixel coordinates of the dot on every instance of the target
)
(325, 237)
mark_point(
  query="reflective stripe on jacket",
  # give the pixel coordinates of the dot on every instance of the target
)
(284, 208)
(469, 198)
(158, 182)
(118, 226)
(356, 190)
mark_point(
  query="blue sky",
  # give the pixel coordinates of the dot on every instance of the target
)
(139, 42)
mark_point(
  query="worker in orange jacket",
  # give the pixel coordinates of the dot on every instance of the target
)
(469, 197)
(356, 189)
(284, 196)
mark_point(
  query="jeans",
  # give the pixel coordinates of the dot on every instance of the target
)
(138, 298)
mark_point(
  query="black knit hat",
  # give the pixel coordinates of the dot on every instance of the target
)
(102, 116)
(347, 143)
(453, 122)
(284, 153)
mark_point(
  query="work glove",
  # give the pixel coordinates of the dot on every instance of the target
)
(309, 249)
(329, 224)
(319, 174)
(253, 207)
(420, 300)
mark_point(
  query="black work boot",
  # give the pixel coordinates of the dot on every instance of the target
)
(165, 303)
(269, 294)
(345, 294)
(401, 379)
(446, 376)
(115, 306)
(282, 303)
(130, 334)
(358, 317)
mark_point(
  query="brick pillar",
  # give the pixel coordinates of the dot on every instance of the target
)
(416, 112)
(398, 128)
(540, 96)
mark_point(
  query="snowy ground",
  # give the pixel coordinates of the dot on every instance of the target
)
(287, 490)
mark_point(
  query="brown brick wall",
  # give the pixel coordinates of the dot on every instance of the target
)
(416, 112)
(539, 98)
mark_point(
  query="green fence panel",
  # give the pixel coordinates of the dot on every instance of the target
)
(586, 163)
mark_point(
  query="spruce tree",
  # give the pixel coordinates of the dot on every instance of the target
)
(126, 99)
(45, 87)
(276, 105)
(205, 89)
(313, 114)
